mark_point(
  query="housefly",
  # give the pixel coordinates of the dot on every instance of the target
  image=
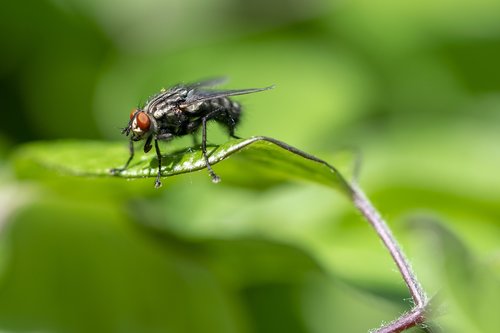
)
(182, 110)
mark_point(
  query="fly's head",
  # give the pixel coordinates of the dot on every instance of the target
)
(140, 126)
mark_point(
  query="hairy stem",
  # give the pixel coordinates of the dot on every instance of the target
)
(417, 314)
(408, 320)
(419, 297)
(363, 204)
(380, 226)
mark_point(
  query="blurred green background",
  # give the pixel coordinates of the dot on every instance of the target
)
(413, 85)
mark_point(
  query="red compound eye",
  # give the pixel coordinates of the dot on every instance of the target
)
(132, 113)
(143, 121)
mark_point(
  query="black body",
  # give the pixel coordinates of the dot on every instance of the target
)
(182, 110)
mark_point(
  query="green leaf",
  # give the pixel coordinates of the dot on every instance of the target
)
(69, 258)
(259, 157)
(468, 289)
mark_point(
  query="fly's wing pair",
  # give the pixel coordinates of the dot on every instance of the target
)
(196, 95)
(207, 83)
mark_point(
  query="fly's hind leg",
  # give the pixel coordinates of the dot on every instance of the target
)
(214, 176)
(131, 150)
(231, 133)
(158, 175)
(231, 125)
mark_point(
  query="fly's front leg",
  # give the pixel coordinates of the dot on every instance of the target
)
(214, 176)
(163, 137)
(131, 150)
(158, 175)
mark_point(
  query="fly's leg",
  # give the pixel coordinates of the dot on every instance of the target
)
(158, 175)
(215, 178)
(231, 132)
(131, 150)
(231, 124)
(147, 145)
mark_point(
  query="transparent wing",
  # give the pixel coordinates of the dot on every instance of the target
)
(198, 96)
(208, 83)
(164, 94)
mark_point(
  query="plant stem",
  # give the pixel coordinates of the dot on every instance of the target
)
(417, 315)
(407, 320)
(419, 297)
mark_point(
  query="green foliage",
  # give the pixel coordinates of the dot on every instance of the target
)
(264, 274)
(260, 158)
(412, 85)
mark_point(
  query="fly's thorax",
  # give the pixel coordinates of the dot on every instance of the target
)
(193, 108)
(162, 110)
(166, 101)
(170, 119)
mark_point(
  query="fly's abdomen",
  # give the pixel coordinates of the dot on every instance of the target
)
(225, 111)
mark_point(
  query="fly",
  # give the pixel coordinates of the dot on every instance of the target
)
(182, 110)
